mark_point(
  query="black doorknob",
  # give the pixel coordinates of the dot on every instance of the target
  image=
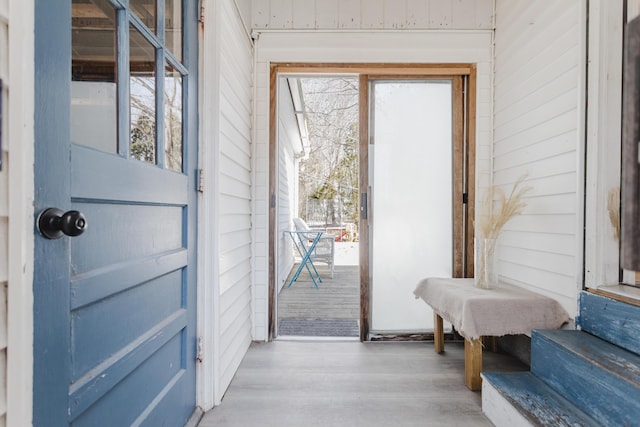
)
(53, 223)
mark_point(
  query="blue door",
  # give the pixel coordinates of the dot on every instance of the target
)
(115, 150)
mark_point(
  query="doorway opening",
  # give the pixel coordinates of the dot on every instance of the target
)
(318, 190)
(423, 98)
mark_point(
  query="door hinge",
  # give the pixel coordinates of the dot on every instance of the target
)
(465, 198)
(200, 180)
(199, 355)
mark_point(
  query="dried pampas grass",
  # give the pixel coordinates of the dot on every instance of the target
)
(494, 217)
(613, 206)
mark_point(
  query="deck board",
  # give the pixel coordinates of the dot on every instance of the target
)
(335, 299)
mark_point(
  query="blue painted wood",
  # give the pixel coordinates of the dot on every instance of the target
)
(128, 400)
(97, 383)
(160, 70)
(51, 274)
(154, 230)
(115, 317)
(104, 282)
(160, 110)
(536, 401)
(611, 320)
(122, 58)
(600, 378)
(190, 27)
(87, 161)
(91, 340)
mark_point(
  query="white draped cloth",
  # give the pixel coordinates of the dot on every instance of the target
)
(504, 310)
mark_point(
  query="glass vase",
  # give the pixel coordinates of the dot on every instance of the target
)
(486, 272)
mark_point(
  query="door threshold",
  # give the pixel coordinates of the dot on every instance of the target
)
(315, 338)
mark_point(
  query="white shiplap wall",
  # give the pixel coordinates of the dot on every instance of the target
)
(372, 14)
(357, 46)
(4, 206)
(539, 130)
(234, 190)
(289, 144)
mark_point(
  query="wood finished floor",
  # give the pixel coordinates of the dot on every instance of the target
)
(329, 383)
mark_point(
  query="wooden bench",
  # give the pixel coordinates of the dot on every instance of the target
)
(478, 313)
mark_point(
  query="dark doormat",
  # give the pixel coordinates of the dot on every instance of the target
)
(318, 327)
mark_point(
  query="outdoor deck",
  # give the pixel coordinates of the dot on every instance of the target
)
(332, 309)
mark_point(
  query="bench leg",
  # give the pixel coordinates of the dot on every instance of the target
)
(490, 343)
(473, 364)
(438, 333)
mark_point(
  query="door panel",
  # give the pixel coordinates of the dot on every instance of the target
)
(114, 307)
(411, 198)
(153, 185)
(126, 403)
(414, 164)
(162, 298)
(152, 237)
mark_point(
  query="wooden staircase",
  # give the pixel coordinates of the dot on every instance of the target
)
(585, 377)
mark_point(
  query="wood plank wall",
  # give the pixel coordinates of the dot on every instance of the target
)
(4, 205)
(537, 131)
(372, 14)
(234, 198)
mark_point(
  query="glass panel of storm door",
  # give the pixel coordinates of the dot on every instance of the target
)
(142, 86)
(411, 201)
(146, 11)
(93, 75)
(172, 119)
(173, 27)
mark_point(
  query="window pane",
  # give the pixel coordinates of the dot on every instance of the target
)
(173, 119)
(146, 11)
(173, 27)
(142, 84)
(93, 75)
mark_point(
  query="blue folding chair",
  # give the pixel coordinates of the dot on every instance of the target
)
(324, 249)
(305, 243)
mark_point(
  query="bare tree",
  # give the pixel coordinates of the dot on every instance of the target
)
(143, 120)
(329, 177)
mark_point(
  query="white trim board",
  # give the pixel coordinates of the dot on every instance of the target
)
(603, 140)
(21, 193)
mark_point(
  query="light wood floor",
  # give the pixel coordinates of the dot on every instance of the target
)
(323, 383)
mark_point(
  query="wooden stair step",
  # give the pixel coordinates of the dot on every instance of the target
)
(599, 377)
(613, 321)
(536, 402)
